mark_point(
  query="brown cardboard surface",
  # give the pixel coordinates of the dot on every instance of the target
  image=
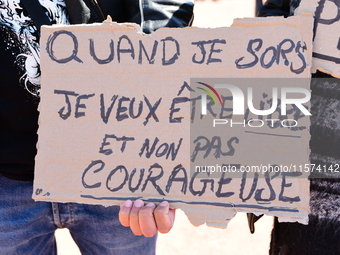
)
(326, 54)
(111, 127)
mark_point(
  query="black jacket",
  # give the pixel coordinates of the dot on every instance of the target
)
(278, 8)
(20, 69)
(151, 14)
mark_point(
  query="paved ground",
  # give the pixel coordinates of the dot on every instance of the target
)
(185, 238)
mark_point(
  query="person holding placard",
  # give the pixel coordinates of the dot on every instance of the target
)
(27, 227)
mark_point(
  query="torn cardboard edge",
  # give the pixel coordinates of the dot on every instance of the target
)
(59, 172)
(326, 56)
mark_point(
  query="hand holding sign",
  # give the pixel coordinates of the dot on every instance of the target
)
(147, 220)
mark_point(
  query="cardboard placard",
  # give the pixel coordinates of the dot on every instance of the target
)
(326, 54)
(115, 116)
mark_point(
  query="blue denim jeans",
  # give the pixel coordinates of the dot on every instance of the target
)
(27, 227)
